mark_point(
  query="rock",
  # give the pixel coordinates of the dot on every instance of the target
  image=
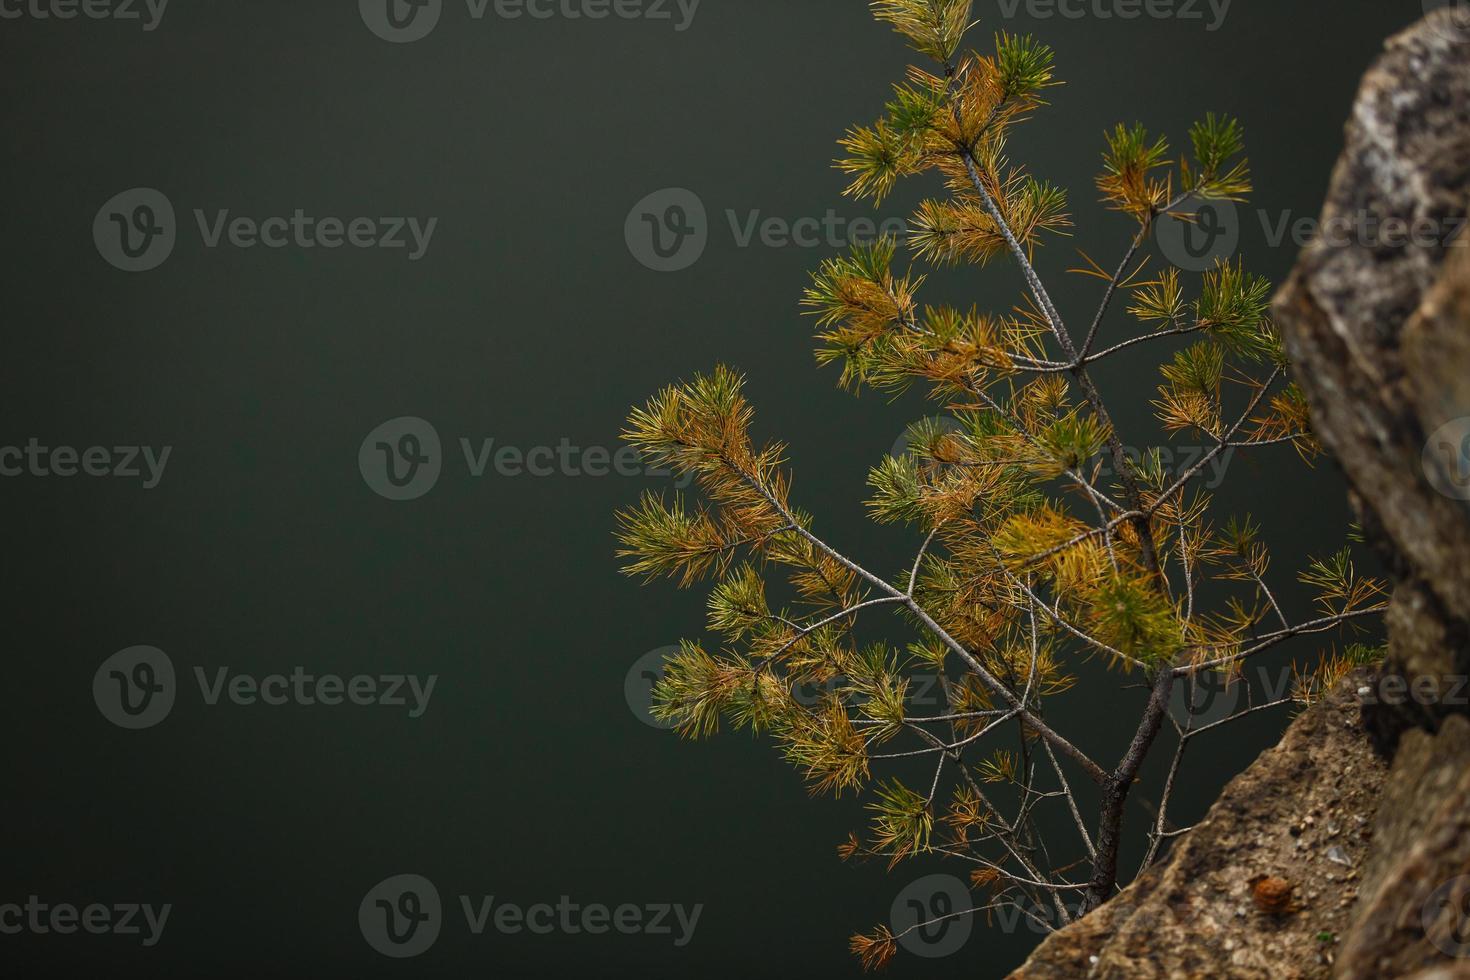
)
(1375, 325)
(1410, 915)
(1460, 971)
(1196, 913)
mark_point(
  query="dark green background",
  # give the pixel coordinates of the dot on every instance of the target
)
(529, 322)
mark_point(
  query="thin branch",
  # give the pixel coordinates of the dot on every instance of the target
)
(1237, 716)
(1142, 338)
(1271, 598)
(806, 631)
(1071, 803)
(1272, 639)
(1162, 818)
(1223, 444)
(1107, 299)
(914, 575)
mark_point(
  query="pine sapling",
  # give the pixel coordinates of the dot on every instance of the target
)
(1041, 542)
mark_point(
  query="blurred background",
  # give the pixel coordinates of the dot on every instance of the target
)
(533, 309)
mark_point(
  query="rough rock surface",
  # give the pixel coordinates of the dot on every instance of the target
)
(1365, 805)
(1421, 845)
(1303, 812)
(1378, 333)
